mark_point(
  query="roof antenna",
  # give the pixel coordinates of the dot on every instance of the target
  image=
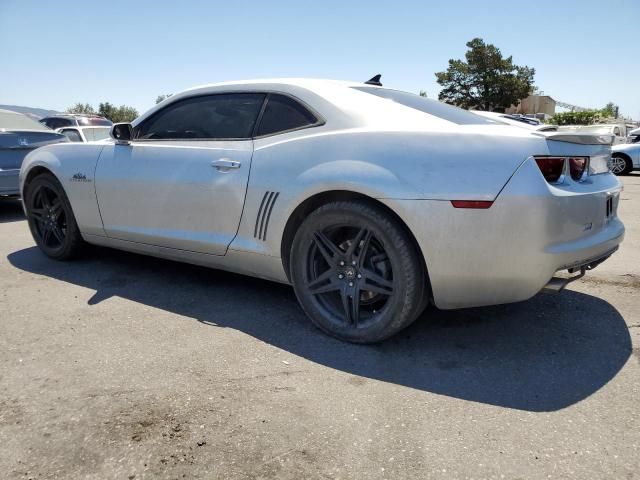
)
(375, 80)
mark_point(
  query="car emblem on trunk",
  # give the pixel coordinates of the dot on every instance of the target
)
(23, 141)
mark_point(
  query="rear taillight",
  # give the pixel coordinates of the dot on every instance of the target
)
(552, 168)
(577, 166)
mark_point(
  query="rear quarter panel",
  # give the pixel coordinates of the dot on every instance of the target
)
(65, 161)
(398, 165)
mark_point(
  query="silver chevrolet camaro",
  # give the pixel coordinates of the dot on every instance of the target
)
(371, 202)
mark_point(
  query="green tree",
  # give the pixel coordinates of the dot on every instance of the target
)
(486, 81)
(162, 97)
(81, 108)
(610, 110)
(119, 114)
(584, 117)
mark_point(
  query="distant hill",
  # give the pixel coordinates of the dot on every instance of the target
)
(36, 113)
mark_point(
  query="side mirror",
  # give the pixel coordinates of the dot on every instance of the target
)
(122, 133)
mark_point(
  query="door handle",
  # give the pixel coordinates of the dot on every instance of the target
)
(225, 164)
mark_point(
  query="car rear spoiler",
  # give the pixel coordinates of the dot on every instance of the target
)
(581, 138)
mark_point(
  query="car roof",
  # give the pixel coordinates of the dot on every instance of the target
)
(299, 82)
(73, 115)
(84, 127)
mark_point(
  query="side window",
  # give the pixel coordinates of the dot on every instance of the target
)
(616, 132)
(221, 116)
(72, 134)
(283, 113)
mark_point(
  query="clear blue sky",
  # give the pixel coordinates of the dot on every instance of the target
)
(57, 53)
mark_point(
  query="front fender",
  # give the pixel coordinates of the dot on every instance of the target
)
(74, 165)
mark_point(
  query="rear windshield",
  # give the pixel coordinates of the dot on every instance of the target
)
(426, 105)
(17, 121)
(97, 121)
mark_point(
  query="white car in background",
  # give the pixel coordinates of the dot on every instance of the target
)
(518, 121)
(85, 134)
(625, 158)
(617, 131)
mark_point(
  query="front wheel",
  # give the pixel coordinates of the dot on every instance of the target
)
(51, 219)
(356, 272)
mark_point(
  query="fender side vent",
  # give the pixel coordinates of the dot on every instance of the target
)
(264, 214)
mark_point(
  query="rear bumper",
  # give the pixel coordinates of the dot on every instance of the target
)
(509, 252)
(557, 284)
(9, 184)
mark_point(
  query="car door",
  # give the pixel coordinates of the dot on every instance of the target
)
(181, 182)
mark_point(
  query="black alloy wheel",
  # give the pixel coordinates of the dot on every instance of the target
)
(356, 272)
(51, 220)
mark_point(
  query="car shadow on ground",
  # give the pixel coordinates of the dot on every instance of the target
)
(11, 210)
(541, 355)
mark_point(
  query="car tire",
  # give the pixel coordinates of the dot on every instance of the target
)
(353, 249)
(621, 164)
(51, 220)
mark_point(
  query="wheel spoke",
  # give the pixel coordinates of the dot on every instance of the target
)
(355, 305)
(57, 233)
(362, 241)
(320, 285)
(56, 207)
(46, 234)
(375, 283)
(346, 305)
(327, 248)
(37, 214)
(356, 242)
(44, 199)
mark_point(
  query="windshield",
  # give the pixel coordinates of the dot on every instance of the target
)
(426, 105)
(95, 134)
(17, 121)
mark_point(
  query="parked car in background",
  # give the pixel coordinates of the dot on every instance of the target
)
(618, 131)
(634, 136)
(371, 202)
(517, 121)
(85, 134)
(75, 120)
(625, 158)
(19, 135)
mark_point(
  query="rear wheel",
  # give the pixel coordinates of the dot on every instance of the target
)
(356, 272)
(620, 165)
(51, 219)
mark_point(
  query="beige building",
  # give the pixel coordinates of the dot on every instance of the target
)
(534, 104)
